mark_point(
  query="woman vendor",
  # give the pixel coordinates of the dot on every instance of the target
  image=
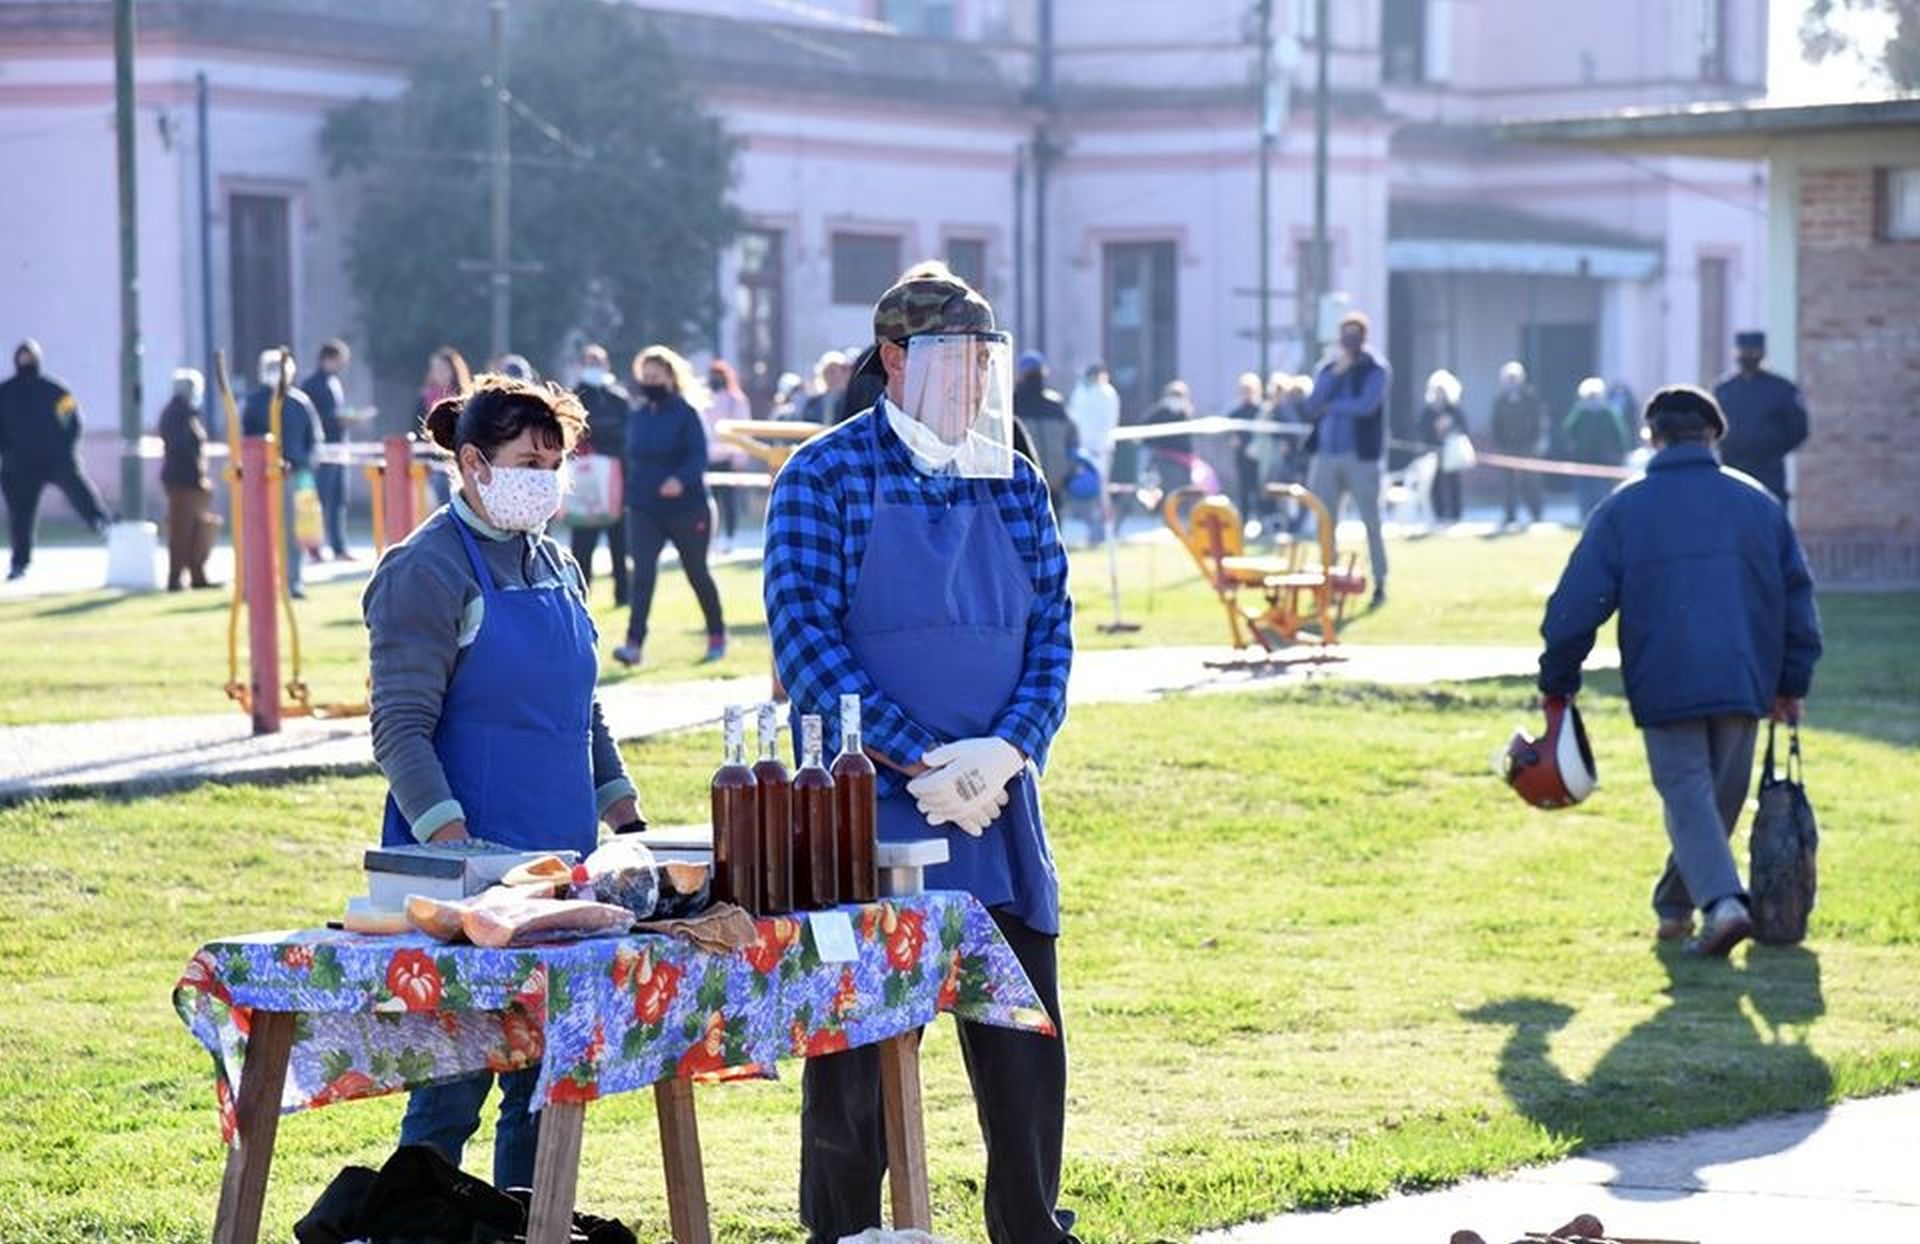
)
(484, 716)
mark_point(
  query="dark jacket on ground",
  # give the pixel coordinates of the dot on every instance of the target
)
(39, 423)
(183, 440)
(666, 439)
(1766, 421)
(1519, 422)
(1353, 395)
(1715, 600)
(299, 424)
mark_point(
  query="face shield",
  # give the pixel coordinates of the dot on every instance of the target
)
(958, 404)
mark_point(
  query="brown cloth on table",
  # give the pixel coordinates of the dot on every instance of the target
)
(720, 929)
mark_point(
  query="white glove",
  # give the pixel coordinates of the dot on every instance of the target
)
(964, 774)
(971, 818)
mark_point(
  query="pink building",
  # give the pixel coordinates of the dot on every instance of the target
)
(1100, 183)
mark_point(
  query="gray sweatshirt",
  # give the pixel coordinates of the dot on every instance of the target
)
(423, 608)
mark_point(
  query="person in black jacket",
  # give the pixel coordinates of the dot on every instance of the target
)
(1518, 422)
(1766, 420)
(183, 473)
(40, 445)
(1044, 414)
(606, 405)
(666, 496)
(1348, 410)
(329, 397)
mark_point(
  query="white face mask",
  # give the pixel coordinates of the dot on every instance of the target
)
(593, 376)
(931, 455)
(519, 498)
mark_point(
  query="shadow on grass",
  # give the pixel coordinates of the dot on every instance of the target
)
(87, 604)
(1698, 1062)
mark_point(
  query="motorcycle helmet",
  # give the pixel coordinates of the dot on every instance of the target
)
(1555, 770)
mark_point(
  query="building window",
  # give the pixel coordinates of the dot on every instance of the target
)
(930, 19)
(864, 266)
(260, 268)
(1713, 317)
(1403, 41)
(1900, 204)
(1140, 320)
(968, 259)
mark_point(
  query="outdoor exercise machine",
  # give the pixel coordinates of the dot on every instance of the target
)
(256, 480)
(1293, 597)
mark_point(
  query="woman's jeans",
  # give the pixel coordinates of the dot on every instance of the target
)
(447, 1115)
(689, 531)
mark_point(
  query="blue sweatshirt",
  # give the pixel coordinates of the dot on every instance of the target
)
(666, 440)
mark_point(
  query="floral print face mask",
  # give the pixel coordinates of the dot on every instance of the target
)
(519, 498)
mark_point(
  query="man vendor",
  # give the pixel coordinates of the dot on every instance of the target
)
(912, 559)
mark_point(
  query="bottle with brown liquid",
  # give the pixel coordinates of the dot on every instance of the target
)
(816, 852)
(736, 822)
(775, 791)
(855, 809)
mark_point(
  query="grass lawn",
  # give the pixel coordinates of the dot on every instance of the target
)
(103, 654)
(1313, 952)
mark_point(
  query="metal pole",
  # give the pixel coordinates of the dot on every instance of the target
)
(206, 224)
(501, 276)
(1020, 236)
(1043, 152)
(1266, 186)
(131, 475)
(263, 583)
(1322, 267)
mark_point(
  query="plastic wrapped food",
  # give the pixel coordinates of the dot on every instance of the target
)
(621, 871)
(546, 874)
(517, 920)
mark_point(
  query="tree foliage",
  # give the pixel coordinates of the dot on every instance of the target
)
(1823, 35)
(620, 180)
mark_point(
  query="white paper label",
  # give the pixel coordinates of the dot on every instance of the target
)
(833, 936)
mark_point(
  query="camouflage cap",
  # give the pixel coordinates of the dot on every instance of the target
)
(926, 302)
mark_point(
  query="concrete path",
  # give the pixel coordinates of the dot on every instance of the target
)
(160, 753)
(1842, 1174)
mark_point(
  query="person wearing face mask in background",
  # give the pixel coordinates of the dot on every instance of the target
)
(482, 655)
(606, 405)
(727, 401)
(666, 496)
(912, 559)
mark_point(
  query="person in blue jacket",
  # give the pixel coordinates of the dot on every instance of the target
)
(300, 433)
(666, 496)
(482, 677)
(1717, 629)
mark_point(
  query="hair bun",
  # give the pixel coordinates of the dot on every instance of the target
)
(439, 422)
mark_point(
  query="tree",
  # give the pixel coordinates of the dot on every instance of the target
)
(1823, 34)
(619, 192)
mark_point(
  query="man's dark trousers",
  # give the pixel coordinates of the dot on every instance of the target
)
(1019, 1089)
(22, 489)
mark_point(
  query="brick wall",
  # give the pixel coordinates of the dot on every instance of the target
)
(1858, 479)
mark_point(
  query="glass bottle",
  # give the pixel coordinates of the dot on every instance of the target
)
(855, 809)
(775, 790)
(816, 852)
(736, 822)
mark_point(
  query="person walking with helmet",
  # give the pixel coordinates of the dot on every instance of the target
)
(912, 559)
(1717, 629)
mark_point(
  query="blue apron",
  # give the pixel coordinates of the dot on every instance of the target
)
(939, 621)
(516, 727)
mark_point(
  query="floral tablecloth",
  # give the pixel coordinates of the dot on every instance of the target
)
(377, 1015)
